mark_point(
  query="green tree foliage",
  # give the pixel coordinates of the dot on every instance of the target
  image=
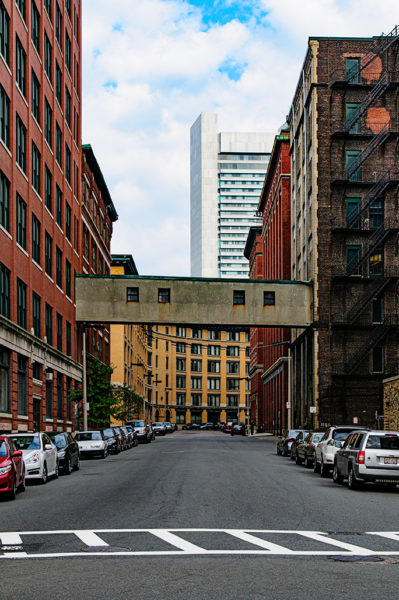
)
(127, 403)
(99, 393)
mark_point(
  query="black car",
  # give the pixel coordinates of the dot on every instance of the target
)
(284, 443)
(121, 436)
(191, 426)
(298, 440)
(305, 451)
(113, 440)
(68, 451)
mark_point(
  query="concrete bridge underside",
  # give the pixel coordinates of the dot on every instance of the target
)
(188, 301)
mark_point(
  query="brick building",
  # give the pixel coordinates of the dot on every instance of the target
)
(344, 187)
(268, 249)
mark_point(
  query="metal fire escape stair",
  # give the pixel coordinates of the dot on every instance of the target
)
(379, 284)
(379, 333)
(373, 194)
(373, 243)
(375, 93)
(386, 40)
(369, 150)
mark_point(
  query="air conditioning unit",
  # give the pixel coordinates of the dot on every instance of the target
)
(49, 376)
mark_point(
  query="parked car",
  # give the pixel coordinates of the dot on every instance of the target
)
(206, 426)
(328, 446)
(39, 453)
(169, 427)
(368, 456)
(129, 437)
(92, 443)
(283, 447)
(159, 428)
(191, 426)
(122, 437)
(133, 434)
(113, 440)
(144, 432)
(229, 426)
(238, 429)
(305, 451)
(298, 439)
(68, 451)
(12, 469)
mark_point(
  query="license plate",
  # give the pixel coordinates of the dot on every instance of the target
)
(390, 460)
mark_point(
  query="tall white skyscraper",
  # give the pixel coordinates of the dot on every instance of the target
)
(227, 173)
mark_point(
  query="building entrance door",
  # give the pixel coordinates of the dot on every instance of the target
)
(36, 414)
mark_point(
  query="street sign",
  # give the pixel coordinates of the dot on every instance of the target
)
(312, 409)
(355, 420)
(288, 405)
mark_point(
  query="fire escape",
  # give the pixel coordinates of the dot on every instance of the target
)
(367, 263)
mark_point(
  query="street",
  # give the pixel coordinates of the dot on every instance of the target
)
(254, 525)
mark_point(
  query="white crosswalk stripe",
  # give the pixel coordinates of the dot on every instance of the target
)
(177, 542)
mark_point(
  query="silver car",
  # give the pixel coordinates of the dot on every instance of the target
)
(368, 456)
(92, 443)
(159, 428)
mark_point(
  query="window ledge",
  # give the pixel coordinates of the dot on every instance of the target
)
(37, 382)
(5, 415)
(59, 289)
(22, 94)
(6, 148)
(22, 250)
(23, 418)
(49, 278)
(22, 172)
(4, 230)
(37, 265)
(49, 211)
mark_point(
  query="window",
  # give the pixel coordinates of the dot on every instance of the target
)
(68, 52)
(22, 8)
(47, 6)
(181, 347)
(196, 399)
(132, 294)
(58, 145)
(213, 383)
(196, 383)
(376, 262)
(48, 254)
(352, 67)
(86, 243)
(238, 297)
(232, 351)
(21, 304)
(349, 114)
(49, 324)
(4, 378)
(20, 66)
(352, 260)
(35, 91)
(378, 359)
(76, 233)
(233, 336)
(376, 214)
(58, 25)
(68, 101)
(180, 399)
(37, 370)
(36, 310)
(68, 218)
(21, 144)
(196, 348)
(213, 400)
(48, 188)
(233, 367)
(180, 381)
(68, 164)
(68, 278)
(232, 400)
(378, 309)
(352, 210)
(58, 267)
(35, 26)
(49, 395)
(58, 83)
(196, 333)
(22, 387)
(59, 332)
(4, 291)
(58, 206)
(35, 239)
(269, 298)
(21, 222)
(163, 295)
(213, 350)
(48, 58)
(59, 395)
(213, 334)
(4, 201)
(351, 158)
(68, 8)
(180, 364)
(213, 366)
(36, 169)
(48, 123)
(68, 331)
(4, 117)
(5, 33)
(233, 384)
(196, 365)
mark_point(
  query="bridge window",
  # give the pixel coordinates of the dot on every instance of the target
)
(238, 297)
(163, 294)
(269, 298)
(132, 294)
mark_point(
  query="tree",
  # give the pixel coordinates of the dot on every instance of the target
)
(99, 393)
(126, 403)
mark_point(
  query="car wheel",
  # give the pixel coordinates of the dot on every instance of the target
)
(56, 472)
(104, 454)
(77, 465)
(337, 477)
(353, 483)
(306, 462)
(13, 492)
(68, 466)
(315, 466)
(22, 485)
(44, 474)
(278, 452)
(323, 469)
(298, 460)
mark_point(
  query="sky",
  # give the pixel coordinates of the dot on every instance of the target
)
(150, 67)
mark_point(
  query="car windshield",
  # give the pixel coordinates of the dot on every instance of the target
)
(340, 435)
(58, 439)
(87, 436)
(117, 431)
(26, 442)
(317, 437)
(3, 448)
(108, 433)
(293, 433)
(383, 442)
(158, 424)
(138, 424)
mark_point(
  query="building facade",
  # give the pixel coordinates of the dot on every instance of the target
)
(268, 250)
(344, 131)
(227, 173)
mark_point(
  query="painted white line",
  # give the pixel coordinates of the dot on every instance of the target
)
(247, 537)
(390, 535)
(176, 541)
(320, 537)
(90, 538)
(10, 539)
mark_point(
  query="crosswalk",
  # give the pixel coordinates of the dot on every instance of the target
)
(195, 542)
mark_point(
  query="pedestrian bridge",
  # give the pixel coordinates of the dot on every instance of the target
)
(188, 300)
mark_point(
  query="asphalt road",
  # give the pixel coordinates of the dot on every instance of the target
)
(116, 523)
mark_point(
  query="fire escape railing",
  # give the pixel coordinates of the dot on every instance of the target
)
(369, 150)
(372, 292)
(375, 93)
(386, 40)
(375, 192)
(379, 332)
(374, 242)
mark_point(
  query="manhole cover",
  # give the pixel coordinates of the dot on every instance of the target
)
(357, 559)
(105, 549)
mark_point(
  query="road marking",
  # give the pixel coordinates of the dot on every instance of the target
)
(177, 541)
(320, 537)
(251, 539)
(90, 538)
(10, 539)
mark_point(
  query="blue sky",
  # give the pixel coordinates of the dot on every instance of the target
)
(150, 67)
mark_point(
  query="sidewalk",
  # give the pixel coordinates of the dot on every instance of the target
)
(264, 434)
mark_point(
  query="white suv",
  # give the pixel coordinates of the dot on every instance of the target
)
(327, 447)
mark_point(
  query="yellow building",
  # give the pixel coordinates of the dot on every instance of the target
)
(200, 375)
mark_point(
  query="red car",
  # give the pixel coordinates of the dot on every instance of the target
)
(12, 468)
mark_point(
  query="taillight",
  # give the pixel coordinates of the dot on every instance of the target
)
(290, 440)
(361, 457)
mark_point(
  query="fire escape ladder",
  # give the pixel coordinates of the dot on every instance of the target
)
(375, 93)
(379, 333)
(369, 150)
(378, 286)
(374, 193)
(374, 241)
(385, 41)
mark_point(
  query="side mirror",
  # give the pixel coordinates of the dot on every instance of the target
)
(17, 453)
(48, 447)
